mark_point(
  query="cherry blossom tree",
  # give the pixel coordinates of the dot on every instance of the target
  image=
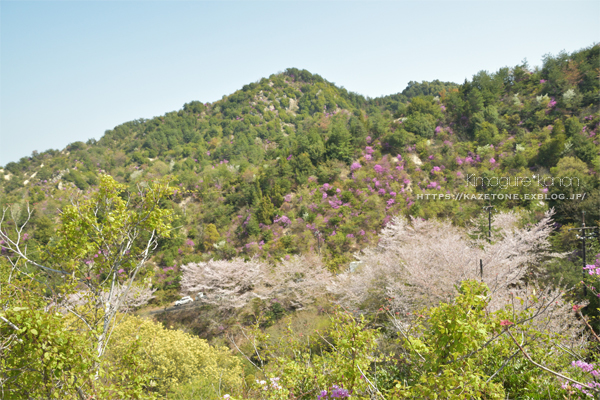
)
(234, 283)
(230, 282)
(299, 280)
(132, 298)
(419, 263)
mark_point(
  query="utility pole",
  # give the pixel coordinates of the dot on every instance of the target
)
(489, 210)
(481, 268)
(584, 236)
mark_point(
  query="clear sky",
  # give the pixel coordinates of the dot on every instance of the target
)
(69, 70)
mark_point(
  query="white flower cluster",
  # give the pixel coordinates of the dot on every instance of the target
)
(273, 384)
(516, 100)
(540, 99)
(568, 95)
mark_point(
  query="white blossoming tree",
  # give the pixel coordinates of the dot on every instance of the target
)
(421, 263)
(234, 283)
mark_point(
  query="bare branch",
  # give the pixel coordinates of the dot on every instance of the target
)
(547, 369)
(9, 323)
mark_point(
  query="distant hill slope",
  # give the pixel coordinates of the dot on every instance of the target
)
(294, 164)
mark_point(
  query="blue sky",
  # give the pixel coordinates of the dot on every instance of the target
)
(70, 70)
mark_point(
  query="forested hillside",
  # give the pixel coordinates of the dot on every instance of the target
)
(294, 168)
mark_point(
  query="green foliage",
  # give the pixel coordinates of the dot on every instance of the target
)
(44, 230)
(423, 105)
(420, 124)
(398, 139)
(312, 145)
(105, 222)
(448, 337)
(551, 151)
(433, 88)
(44, 358)
(211, 236)
(265, 211)
(486, 133)
(77, 178)
(174, 358)
(138, 158)
(341, 355)
(59, 347)
(462, 350)
(573, 173)
(339, 144)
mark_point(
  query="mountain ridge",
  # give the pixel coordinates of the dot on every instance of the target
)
(268, 168)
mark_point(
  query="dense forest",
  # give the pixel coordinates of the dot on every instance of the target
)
(285, 209)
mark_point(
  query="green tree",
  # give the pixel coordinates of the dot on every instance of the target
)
(174, 357)
(339, 144)
(486, 133)
(421, 124)
(265, 211)
(558, 128)
(572, 127)
(211, 236)
(103, 243)
(44, 229)
(423, 105)
(39, 358)
(551, 151)
(461, 350)
(311, 143)
(448, 340)
(398, 139)
(346, 350)
(302, 167)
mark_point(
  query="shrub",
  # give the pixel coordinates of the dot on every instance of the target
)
(174, 357)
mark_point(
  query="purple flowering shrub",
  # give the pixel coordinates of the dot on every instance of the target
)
(592, 281)
(338, 211)
(334, 392)
(589, 384)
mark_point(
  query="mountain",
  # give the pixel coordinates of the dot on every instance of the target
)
(294, 164)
